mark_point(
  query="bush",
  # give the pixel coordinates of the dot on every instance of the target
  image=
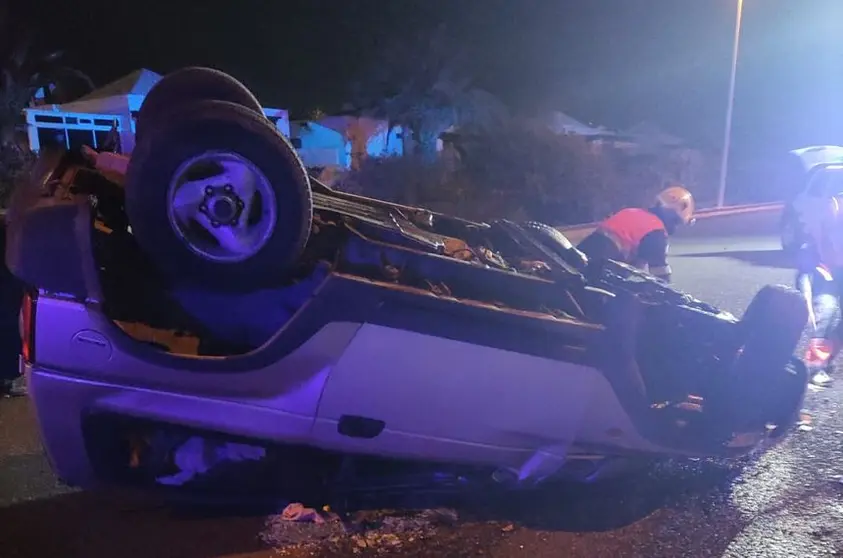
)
(516, 172)
(410, 179)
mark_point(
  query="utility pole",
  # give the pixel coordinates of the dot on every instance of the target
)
(727, 139)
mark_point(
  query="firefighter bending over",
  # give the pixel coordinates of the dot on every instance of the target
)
(639, 236)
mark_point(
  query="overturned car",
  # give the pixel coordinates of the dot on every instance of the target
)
(207, 287)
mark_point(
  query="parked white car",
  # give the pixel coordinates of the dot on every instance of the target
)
(823, 179)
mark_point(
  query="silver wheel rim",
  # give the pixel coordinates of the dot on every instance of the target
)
(221, 206)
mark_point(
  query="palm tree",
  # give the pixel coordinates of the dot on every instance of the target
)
(25, 71)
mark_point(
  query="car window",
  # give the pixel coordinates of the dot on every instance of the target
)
(826, 182)
(816, 186)
(833, 181)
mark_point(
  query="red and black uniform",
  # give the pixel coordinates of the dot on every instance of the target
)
(634, 236)
(819, 276)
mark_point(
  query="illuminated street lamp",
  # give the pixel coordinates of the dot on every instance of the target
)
(724, 163)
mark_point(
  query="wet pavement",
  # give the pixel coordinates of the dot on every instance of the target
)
(786, 503)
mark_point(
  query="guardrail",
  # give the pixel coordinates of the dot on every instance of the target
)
(738, 209)
(576, 232)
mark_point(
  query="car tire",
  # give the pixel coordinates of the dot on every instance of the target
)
(189, 85)
(281, 210)
(559, 243)
(768, 385)
(792, 235)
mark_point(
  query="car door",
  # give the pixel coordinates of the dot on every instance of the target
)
(813, 201)
(452, 400)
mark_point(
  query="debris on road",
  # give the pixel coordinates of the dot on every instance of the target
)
(282, 530)
(365, 530)
(198, 456)
(298, 512)
(805, 421)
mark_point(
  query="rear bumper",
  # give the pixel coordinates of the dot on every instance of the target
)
(60, 425)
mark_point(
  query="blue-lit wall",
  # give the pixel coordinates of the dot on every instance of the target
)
(322, 146)
(386, 143)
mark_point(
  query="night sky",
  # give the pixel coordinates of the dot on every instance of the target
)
(611, 62)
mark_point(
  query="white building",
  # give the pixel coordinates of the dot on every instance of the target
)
(90, 119)
(345, 141)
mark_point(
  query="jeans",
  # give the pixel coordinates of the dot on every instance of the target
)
(826, 296)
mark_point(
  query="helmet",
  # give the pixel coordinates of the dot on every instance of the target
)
(678, 200)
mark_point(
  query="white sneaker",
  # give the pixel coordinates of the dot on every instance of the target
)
(821, 379)
(13, 388)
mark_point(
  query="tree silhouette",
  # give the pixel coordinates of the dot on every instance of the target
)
(423, 82)
(26, 69)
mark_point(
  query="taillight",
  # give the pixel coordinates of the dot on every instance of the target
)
(27, 326)
(825, 273)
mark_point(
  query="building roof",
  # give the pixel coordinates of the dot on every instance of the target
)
(138, 82)
(562, 123)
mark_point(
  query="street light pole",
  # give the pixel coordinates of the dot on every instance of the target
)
(727, 140)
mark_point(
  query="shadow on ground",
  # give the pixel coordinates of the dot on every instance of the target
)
(605, 506)
(108, 523)
(105, 524)
(761, 258)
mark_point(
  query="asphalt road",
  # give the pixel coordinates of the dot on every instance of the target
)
(787, 503)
